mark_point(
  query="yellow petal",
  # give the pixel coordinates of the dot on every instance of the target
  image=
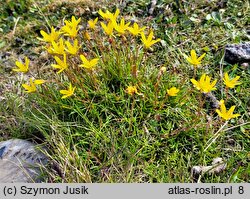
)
(222, 101)
(64, 92)
(235, 115)
(202, 79)
(201, 57)
(94, 61)
(39, 81)
(83, 58)
(143, 37)
(223, 108)
(214, 82)
(196, 84)
(231, 110)
(19, 64)
(56, 66)
(26, 86)
(64, 96)
(27, 61)
(219, 113)
(117, 12)
(237, 78)
(226, 77)
(189, 59)
(150, 36)
(193, 55)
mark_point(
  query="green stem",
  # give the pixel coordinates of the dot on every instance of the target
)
(215, 136)
(132, 113)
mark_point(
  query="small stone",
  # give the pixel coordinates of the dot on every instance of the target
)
(20, 161)
(196, 170)
(245, 65)
(237, 53)
(211, 99)
(217, 160)
(217, 166)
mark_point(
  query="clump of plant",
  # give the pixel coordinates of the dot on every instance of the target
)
(104, 95)
(110, 58)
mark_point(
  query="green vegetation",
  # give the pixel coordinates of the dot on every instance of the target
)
(120, 108)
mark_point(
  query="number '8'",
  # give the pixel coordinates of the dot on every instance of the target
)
(241, 190)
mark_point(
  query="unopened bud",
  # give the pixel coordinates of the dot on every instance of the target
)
(163, 69)
(87, 36)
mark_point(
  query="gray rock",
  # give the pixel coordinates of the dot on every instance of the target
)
(20, 161)
(237, 53)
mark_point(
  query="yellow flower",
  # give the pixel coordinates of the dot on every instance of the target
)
(135, 30)
(70, 28)
(104, 15)
(108, 15)
(131, 90)
(120, 28)
(24, 68)
(173, 91)
(108, 29)
(69, 92)
(92, 23)
(88, 64)
(53, 36)
(57, 48)
(72, 49)
(115, 15)
(30, 88)
(73, 23)
(70, 31)
(193, 59)
(204, 84)
(149, 41)
(223, 113)
(231, 83)
(62, 65)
